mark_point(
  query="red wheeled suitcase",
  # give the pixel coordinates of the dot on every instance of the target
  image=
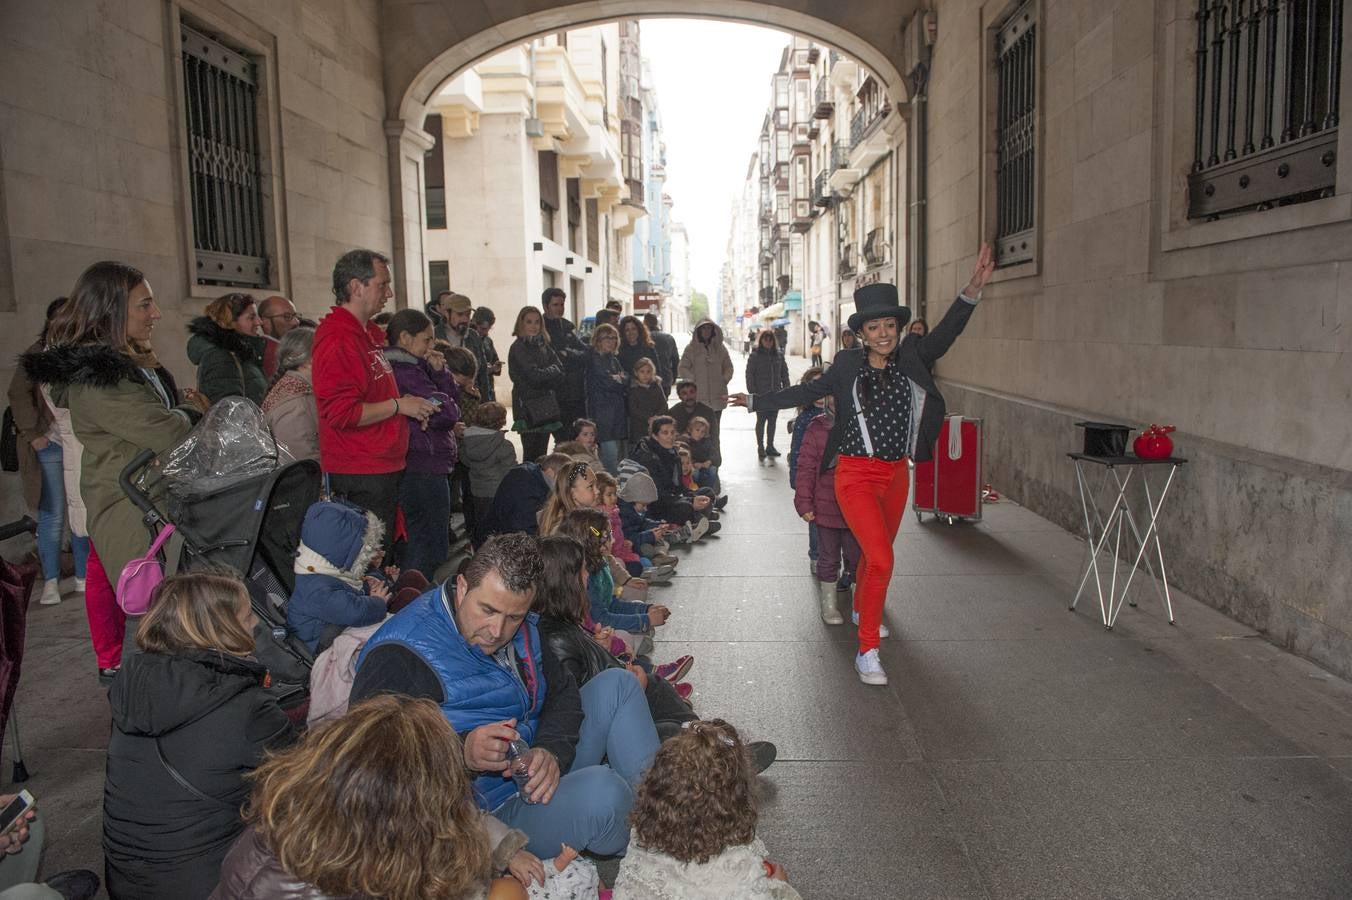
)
(949, 484)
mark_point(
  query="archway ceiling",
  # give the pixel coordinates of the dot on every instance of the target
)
(424, 42)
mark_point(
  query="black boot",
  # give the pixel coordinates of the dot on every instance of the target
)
(771, 452)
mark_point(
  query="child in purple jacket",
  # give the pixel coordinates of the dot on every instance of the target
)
(814, 498)
(424, 490)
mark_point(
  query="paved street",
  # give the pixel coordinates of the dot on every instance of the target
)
(1020, 750)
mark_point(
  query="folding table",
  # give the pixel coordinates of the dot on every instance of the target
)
(1118, 471)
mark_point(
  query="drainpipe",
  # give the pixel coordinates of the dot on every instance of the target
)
(919, 144)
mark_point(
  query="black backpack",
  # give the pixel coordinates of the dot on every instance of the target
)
(9, 443)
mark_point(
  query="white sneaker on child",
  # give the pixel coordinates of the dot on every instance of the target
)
(870, 668)
(699, 529)
(51, 593)
(72, 585)
(882, 627)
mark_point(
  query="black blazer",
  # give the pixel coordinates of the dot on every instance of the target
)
(917, 358)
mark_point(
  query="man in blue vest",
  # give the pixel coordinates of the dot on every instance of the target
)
(473, 647)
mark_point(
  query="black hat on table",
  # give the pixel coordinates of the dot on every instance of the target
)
(878, 301)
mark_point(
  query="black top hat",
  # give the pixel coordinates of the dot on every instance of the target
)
(878, 301)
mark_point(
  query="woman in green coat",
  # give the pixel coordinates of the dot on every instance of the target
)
(228, 351)
(98, 364)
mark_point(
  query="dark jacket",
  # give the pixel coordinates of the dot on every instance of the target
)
(607, 399)
(522, 494)
(584, 659)
(663, 465)
(630, 354)
(645, 401)
(33, 419)
(798, 428)
(668, 358)
(573, 354)
(488, 456)
(535, 370)
(814, 488)
(484, 355)
(683, 417)
(638, 527)
(116, 413)
(212, 721)
(431, 450)
(337, 545)
(916, 356)
(766, 371)
(228, 363)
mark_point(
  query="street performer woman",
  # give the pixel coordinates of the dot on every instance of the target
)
(888, 408)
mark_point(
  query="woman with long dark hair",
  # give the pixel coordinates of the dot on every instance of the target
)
(98, 364)
(888, 410)
(636, 343)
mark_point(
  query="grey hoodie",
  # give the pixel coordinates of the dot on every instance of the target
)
(488, 455)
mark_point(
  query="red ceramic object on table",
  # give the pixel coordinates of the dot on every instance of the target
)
(1154, 443)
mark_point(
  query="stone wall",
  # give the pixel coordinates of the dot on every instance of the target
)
(1236, 331)
(92, 165)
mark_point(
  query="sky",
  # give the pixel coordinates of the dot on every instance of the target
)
(711, 119)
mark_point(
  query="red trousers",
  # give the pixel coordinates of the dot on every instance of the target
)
(107, 621)
(872, 497)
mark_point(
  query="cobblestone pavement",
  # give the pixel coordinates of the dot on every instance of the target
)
(1020, 750)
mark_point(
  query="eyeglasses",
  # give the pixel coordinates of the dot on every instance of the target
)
(289, 316)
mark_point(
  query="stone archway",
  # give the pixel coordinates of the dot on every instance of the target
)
(424, 44)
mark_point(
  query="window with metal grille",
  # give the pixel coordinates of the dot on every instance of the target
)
(549, 190)
(574, 191)
(593, 232)
(220, 88)
(434, 175)
(1016, 137)
(1265, 129)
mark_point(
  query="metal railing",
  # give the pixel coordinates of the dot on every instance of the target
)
(1266, 103)
(862, 124)
(824, 98)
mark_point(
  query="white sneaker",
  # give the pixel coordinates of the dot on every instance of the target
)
(870, 668)
(51, 592)
(72, 585)
(699, 529)
(79, 585)
(882, 627)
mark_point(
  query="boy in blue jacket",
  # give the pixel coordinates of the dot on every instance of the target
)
(338, 544)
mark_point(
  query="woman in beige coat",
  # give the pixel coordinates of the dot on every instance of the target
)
(708, 364)
(289, 408)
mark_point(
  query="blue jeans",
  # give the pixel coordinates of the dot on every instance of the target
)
(426, 501)
(611, 451)
(590, 808)
(52, 516)
(709, 478)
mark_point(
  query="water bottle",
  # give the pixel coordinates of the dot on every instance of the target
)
(517, 751)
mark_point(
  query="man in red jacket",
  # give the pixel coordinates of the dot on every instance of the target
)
(363, 427)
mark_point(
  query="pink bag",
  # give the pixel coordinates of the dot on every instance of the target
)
(141, 576)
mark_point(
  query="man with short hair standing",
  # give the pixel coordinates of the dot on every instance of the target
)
(455, 311)
(480, 344)
(571, 394)
(473, 646)
(668, 357)
(363, 422)
(278, 316)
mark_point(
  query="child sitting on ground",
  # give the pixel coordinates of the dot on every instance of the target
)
(338, 544)
(648, 535)
(574, 488)
(704, 453)
(607, 489)
(687, 467)
(591, 529)
(694, 824)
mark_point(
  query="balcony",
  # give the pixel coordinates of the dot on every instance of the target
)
(876, 250)
(782, 176)
(814, 53)
(849, 260)
(843, 176)
(803, 214)
(822, 194)
(560, 101)
(868, 140)
(802, 142)
(843, 73)
(459, 105)
(826, 99)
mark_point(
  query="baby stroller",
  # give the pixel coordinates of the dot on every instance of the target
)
(252, 525)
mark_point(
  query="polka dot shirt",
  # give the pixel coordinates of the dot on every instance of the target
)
(886, 395)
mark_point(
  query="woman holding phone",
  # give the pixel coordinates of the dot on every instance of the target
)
(888, 410)
(424, 492)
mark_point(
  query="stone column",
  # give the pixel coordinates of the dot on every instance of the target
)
(407, 145)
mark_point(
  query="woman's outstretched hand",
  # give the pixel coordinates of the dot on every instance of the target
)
(981, 274)
(735, 400)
